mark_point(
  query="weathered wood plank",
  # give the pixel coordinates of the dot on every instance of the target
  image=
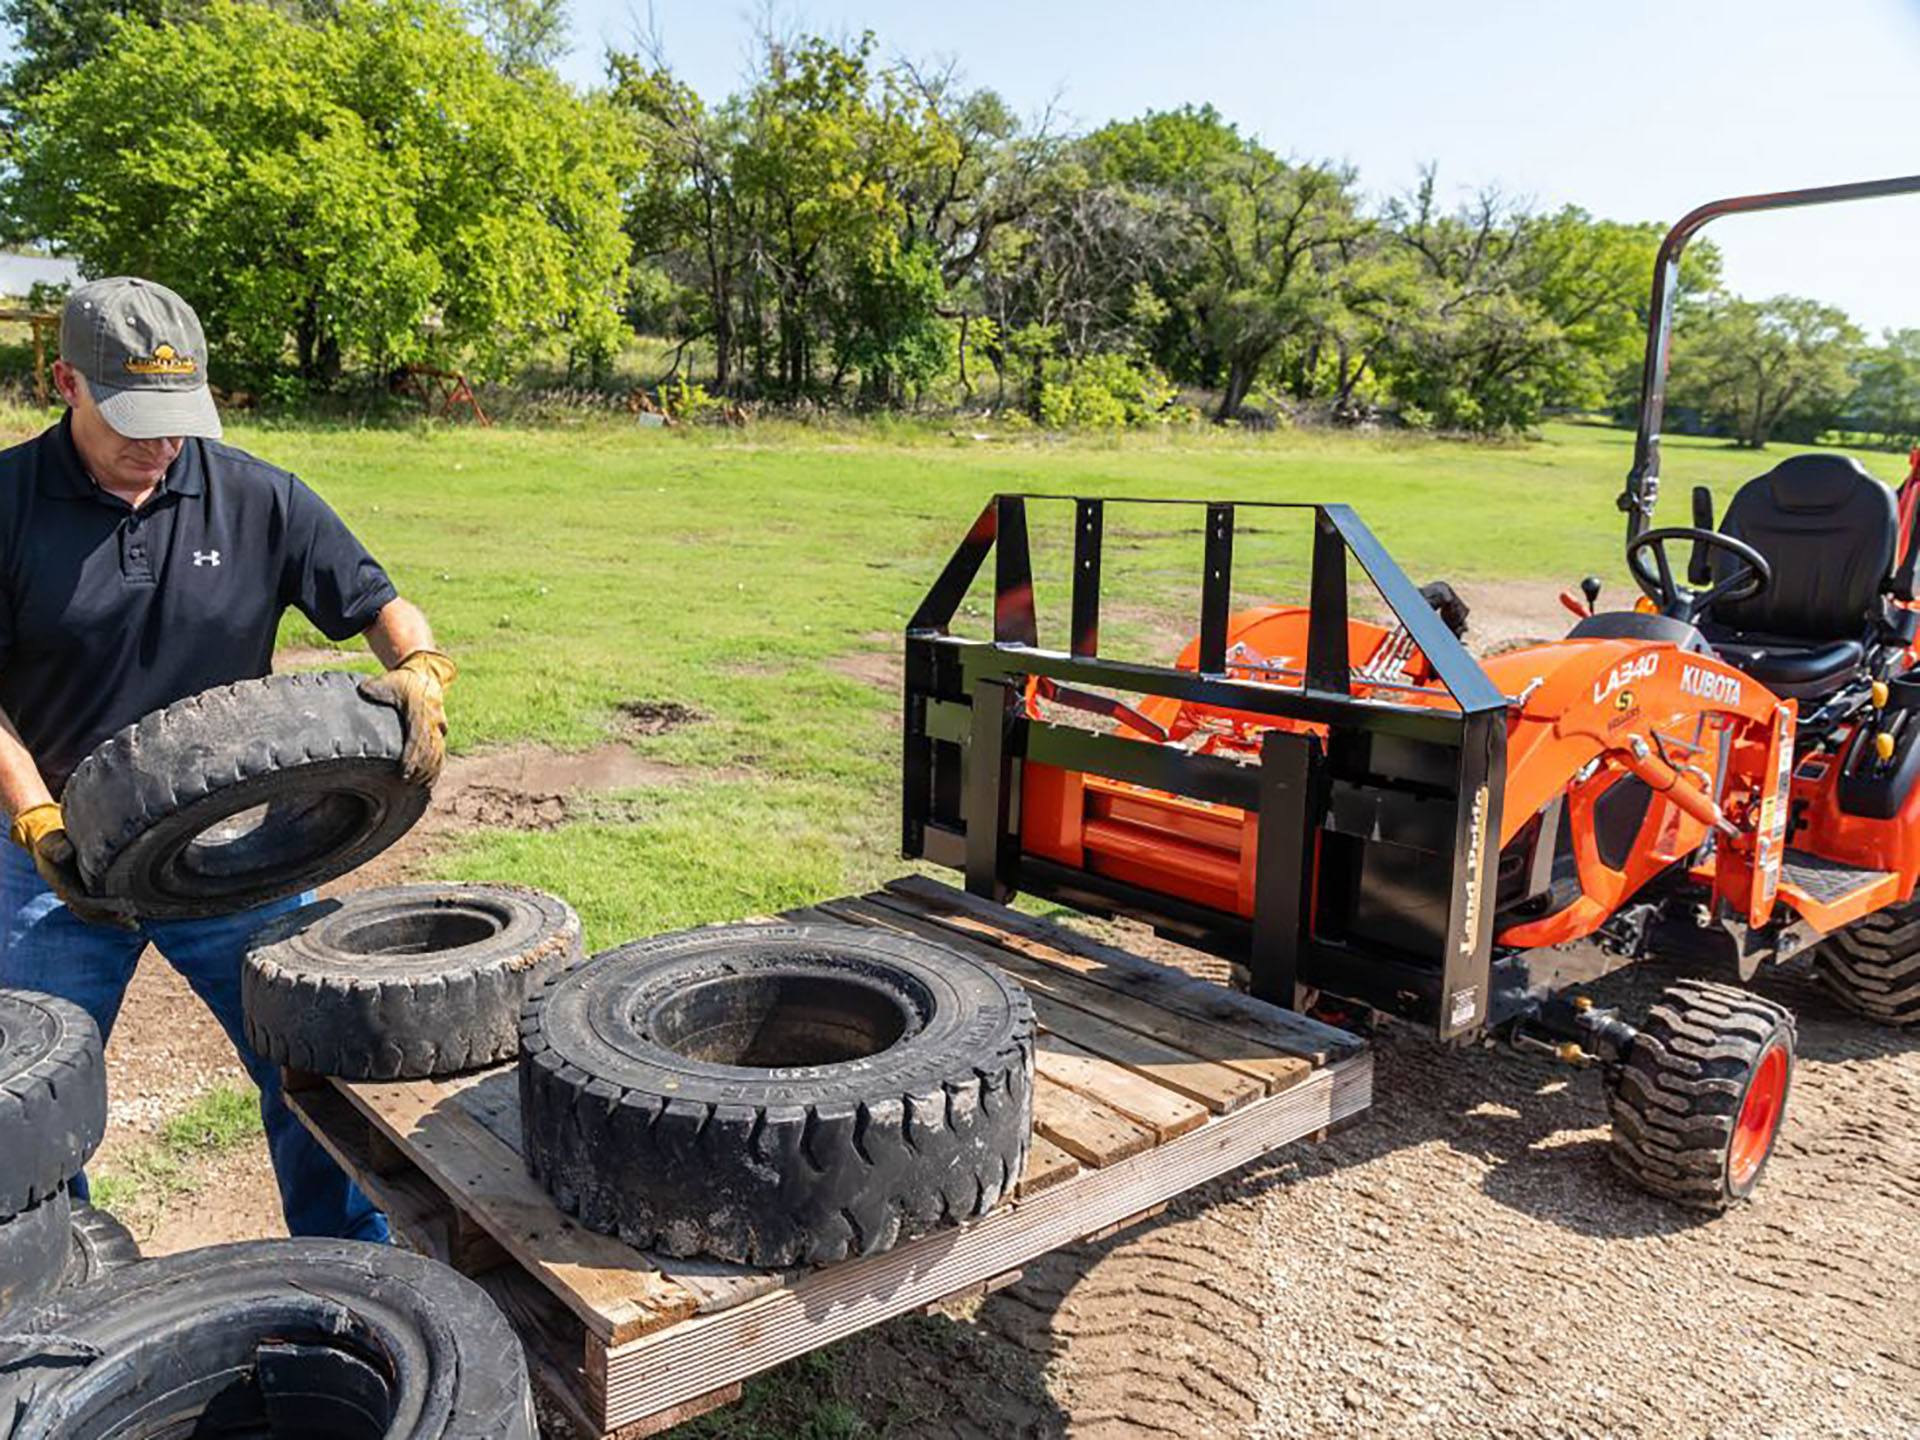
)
(1047, 1166)
(492, 1098)
(1271, 1068)
(1116, 1087)
(1215, 1086)
(616, 1292)
(1084, 1128)
(1216, 1004)
(422, 1217)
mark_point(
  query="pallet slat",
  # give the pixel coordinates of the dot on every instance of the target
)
(1170, 989)
(1085, 1129)
(422, 1217)
(1272, 1068)
(1116, 1087)
(611, 1287)
(1047, 1166)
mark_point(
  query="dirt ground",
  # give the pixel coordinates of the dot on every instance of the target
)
(1464, 1262)
(1460, 1263)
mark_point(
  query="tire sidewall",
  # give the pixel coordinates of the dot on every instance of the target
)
(309, 941)
(588, 1015)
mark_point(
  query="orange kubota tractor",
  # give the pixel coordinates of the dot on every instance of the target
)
(1364, 815)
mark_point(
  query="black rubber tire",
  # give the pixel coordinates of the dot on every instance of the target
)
(325, 761)
(1873, 965)
(288, 1338)
(100, 1245)
(406, 982)
(905, 1101)
(1677, 1094)
(53, 1095)
(34, 1247)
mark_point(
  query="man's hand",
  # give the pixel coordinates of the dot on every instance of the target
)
(417, 688)
(41, 831)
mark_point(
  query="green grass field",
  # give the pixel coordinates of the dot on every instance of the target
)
(571, 570)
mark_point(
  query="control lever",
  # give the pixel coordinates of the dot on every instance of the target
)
(1883, 741)
(1699, 563)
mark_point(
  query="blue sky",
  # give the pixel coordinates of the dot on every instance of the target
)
(1634, 109)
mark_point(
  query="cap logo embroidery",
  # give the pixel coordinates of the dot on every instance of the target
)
(206, 557)
(165, 360)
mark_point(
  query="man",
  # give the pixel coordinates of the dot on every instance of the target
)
(142, 562)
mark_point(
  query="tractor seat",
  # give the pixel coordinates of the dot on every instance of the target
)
(1791, 667)
(1830, 531)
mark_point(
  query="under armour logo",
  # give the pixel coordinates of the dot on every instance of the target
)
(206, 557)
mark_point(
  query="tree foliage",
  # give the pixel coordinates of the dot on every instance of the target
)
(1886, 389)
(1758, 368)
(367, 182)
(365, 185)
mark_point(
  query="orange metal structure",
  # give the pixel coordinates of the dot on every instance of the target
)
(1712, 745)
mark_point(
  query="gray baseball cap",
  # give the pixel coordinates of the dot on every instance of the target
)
(144, 355)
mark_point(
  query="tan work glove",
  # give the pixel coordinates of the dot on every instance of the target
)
(417, 688)
(41, 831)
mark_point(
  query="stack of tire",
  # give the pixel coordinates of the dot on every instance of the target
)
(53, 1112)
(210, 806)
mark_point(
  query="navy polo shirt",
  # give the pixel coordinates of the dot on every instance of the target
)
(107, 612)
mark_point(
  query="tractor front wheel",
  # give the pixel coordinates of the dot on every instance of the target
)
(1873, 965)
(1698, 1098)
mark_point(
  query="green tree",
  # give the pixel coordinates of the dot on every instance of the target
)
(889, 328)
(1273, 236)
(1757, 367)
(1886, 394)
(1513, 312)
(364, 187)
(1246, 248)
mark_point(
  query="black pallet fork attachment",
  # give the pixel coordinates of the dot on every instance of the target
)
(1375, 834)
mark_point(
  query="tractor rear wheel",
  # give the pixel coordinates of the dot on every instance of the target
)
(1698, 1099)
(1873, 965)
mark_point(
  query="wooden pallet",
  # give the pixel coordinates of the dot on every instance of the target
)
(1148, 1082)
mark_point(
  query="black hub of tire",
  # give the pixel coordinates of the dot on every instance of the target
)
(777, 1094)
(1873, 965)
(269, 1340)
(406, 982)
(241, 795)
(1699, 1097)
(53, 1095)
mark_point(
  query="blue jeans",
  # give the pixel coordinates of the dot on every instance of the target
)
(43, 947)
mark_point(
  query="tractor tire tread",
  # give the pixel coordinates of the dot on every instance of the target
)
(1872, 967)
(1675, 1097)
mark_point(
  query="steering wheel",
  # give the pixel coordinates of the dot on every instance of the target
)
(1656, 582)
